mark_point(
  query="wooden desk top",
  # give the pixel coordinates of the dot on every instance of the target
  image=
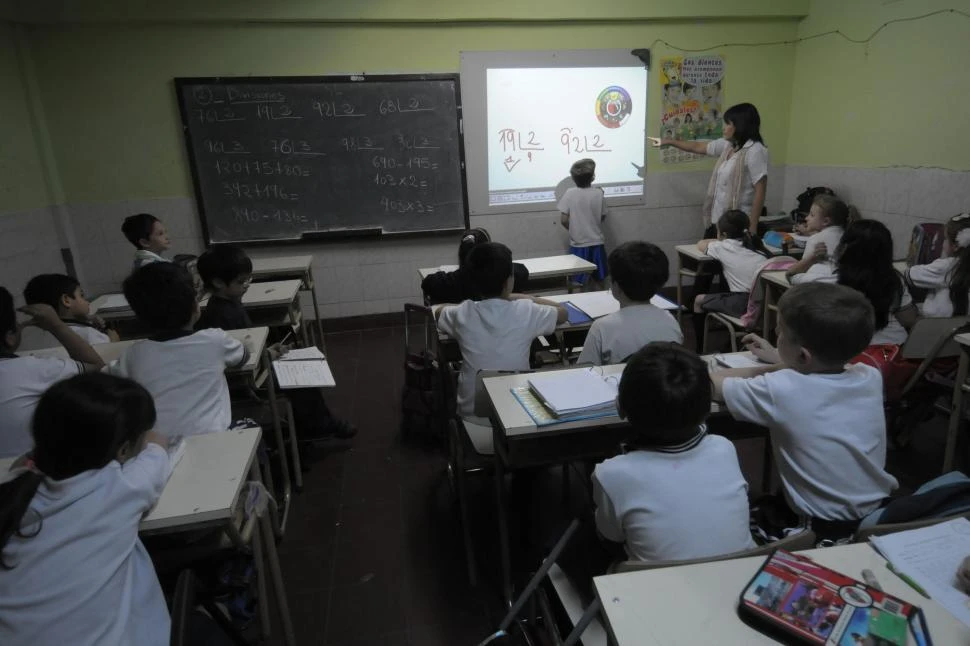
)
(691, 251)
(687, 605)
(281, 266)
(776, 278)
(205, 484)
(579, 298)
(254, 338)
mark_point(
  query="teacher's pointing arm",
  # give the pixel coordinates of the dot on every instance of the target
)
(696, 147)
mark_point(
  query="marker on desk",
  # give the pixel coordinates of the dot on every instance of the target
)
(907, 580)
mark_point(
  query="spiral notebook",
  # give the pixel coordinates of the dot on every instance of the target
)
(569, 392)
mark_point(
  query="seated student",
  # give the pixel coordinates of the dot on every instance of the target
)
(948, 276)
(149, 236)
(678, 493)
(74, 570)
(227, 271)
(826, 419)
(496, 332)
(183, 370)
(454, 286)
(742, 256)
(24, 379)
(826, 222)
(864, 261)
(65, 295)
(638, 269)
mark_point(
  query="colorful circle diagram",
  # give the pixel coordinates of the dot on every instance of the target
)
(613, 106)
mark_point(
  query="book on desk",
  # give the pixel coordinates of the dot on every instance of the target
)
(567, 395)
(303, 368)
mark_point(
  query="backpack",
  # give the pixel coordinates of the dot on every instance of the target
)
(423, 397)
(805, 199)
(925, 244)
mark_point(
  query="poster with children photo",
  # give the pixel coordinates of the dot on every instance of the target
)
(692, 102)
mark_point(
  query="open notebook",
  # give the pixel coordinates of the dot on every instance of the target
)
(303, 368)
(568, 392)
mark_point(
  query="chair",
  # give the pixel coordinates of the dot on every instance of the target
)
(803, 541)
(734, 325)
(863, 535)
(187, 622)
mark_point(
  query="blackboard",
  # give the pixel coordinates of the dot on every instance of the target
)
(302, 158)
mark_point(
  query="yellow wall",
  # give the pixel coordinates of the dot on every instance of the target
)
(110, 105)
(22, 184)
(899, 100)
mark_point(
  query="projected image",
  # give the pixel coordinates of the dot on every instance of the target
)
(542, 120)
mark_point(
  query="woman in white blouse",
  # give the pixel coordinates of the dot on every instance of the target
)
(740, 177)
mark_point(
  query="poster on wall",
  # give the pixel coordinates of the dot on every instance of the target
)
(692, 102)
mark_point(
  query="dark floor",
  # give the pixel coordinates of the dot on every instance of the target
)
(373, 551)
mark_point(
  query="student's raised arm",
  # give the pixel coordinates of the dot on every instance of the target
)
(44, 317)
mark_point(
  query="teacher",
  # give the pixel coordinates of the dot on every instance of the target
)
(740, 175)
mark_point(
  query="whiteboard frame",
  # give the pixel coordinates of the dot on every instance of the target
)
(474, 99)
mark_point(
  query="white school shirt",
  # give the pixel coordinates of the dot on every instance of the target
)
(934, 276)
(494, 334)
(740, 264)
(831, 236)
(145, 257)
(615, 337)
(755, 167)
(828, 434)
(44, 339)
(186, 377)
(585, 208)
(894, 332)
(85, 578)
(666, 506)
(22, 381)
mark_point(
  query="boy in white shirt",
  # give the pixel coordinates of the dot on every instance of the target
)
(149, 236)
(64, 294)
(638, 269)
(583, 209)
(828, 429)
(183, 370)
(24, 379)
(679, 493)
(496, 332)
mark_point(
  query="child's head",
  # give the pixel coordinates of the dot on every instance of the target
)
(9, 330)
(469, 239)
(665, 393)
(145, 231)
(638, 269)
(226, 271)
(490, 269)
(742, 123)
(583, 172)
(733, 225)
(956, 244)
(830, 211)
(822, 326)
(61, 292)
(80, 424)
(864, 260)
(162, 296)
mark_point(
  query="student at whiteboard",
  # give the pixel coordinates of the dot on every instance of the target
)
(583, 210)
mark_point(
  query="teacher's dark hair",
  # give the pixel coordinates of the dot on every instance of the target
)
(747, 123)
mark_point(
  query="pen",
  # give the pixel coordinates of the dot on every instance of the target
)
(907, 580)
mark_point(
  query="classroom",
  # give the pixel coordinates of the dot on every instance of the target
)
(374, 539)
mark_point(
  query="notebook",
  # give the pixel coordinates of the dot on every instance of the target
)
(930, 556)
(573, 391)
(797, 600)
(112, 302)
(303, 368)
(576, 316)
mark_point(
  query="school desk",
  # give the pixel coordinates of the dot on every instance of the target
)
(696, 604)
(519, 443)
(565, 266)
(960, 386)
(255, 372)
(300, 267)
(203, 491)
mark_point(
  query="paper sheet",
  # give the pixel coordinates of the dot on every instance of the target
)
(572, 391)
(738, 360)
(303, 354)
(930, 556)
(303, 374)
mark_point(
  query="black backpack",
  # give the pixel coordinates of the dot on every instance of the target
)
(805, 199)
